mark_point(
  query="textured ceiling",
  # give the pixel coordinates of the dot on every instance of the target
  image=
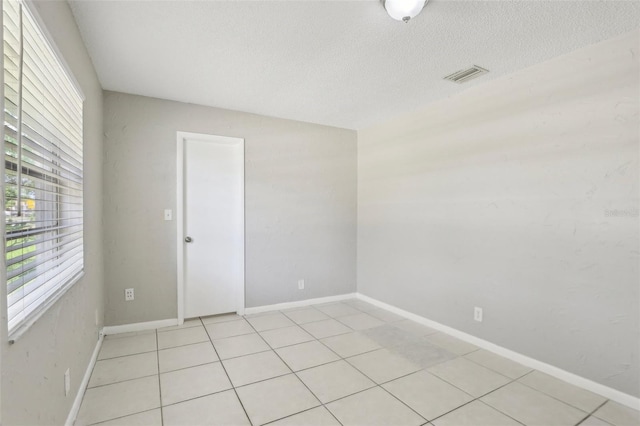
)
(339, 63)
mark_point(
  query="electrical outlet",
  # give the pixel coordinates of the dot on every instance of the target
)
(128, 294)
(167, 214)
(67, 382)
(477, 314)
(300, 284)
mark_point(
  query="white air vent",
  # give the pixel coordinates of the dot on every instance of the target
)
(467, 74)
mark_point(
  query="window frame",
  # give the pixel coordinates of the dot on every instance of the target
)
(32, 317)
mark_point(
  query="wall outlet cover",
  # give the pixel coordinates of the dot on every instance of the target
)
(128, 294)
(67, 382)
(300, 284)
(477, 314)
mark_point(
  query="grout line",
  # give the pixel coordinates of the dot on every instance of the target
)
(198, 397)
(122, 417)
(475, 399)
(340, 358)
(294, 414)
(159, 384)
(301, 381)
(379, 385)
(179, 346)
(123, 381)
(592, 413)
(186, 368)
(228, 377)
(493, 408)
(495, 370)
(373, 381)
(240, 356)
(182, 346)
(553, 396)
(122, 356)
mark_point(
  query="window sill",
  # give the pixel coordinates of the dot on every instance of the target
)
(33, 317)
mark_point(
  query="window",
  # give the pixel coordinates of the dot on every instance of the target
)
(43, 169)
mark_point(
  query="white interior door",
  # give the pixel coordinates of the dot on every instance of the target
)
(213, 228)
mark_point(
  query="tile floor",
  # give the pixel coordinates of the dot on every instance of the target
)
(346, 363)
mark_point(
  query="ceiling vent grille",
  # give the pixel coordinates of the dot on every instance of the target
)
(466, 74)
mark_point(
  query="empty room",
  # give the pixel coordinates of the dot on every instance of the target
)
(334, 212)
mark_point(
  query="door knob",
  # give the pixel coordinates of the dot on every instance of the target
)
(188, 239)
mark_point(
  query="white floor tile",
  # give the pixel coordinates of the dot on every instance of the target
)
(318, 416)
(373, 407)
(306, 355)
(305, 315)
(193, 322)
(335, 310)
(451, 343)
(275, 398)
(118, 400)
(360, 321)
(501, 365)
(428, 395)
(531, 407)
(130, 345)
(572, 395)
(414, 328)
(360, 305)
(189, 383)
(472, 378)
(389, 336)
(618, 415)
(285, 336)
(335, 380)
(382, 365)
(221, 330)
(350, 344)
(270, 322)
(124, 368)
(240, 345)
(475, 414)
(186, 356)
(222, 408)
(254, 368)
(384, 315)
(594, 421)
(146, 418)
(185, 336)
(423, 353)
(220, 318)
(193, 386)
(326, 328)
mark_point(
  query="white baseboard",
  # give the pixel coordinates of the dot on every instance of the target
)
(298, 304)
(605, 391)
(139, 326)
(73, 413)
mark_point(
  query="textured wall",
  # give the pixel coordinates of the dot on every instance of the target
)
(65, 336)
(519, 196)
(300, 201)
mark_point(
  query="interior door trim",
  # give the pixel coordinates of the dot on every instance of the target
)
(240, 292)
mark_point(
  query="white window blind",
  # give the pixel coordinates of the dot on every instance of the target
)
(43, 168)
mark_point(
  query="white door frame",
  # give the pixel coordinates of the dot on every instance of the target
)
(181, 136)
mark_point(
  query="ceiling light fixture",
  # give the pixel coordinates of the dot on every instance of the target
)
(403, 10)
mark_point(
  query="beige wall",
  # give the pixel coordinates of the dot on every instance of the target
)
(504, 197)
(33, 368)
(300, 201)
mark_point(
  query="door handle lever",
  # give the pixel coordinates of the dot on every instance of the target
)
(188, 239)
